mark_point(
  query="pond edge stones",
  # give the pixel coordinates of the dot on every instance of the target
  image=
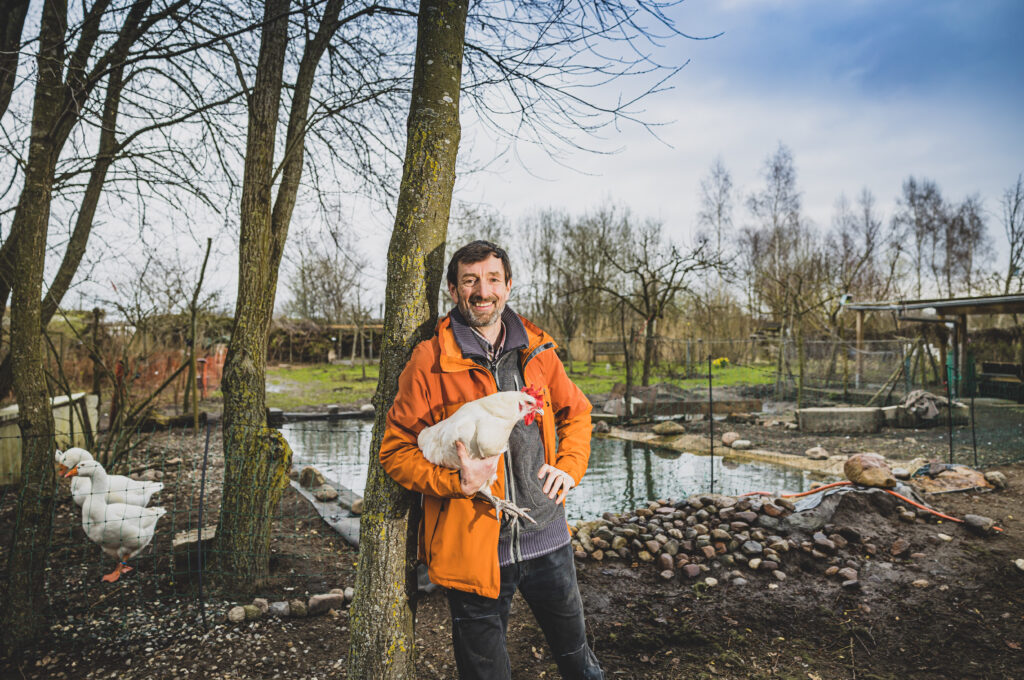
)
(742, 540)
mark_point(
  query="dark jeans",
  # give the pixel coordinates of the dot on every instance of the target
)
(548, 585)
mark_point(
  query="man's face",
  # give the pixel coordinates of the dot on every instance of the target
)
(481, 292)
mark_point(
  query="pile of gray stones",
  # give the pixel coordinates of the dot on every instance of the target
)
(710, 538)
(326, 603)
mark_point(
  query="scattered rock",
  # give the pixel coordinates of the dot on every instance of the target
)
(668, 427)
(869, 469)
(901, 473)
(823, 543)
(817, 453)
(983, 526)
(280, 609)
(297, 608)
(602, 427)
(262, 604)
(325, 493)
(236, 614)
(1019, 564)
(366, 408)
(742, 444)
(667, 574)
(310, 477)
(944, 537)
(252, 612)
(691, 570)
(899, 547)
(779, 575)
(729, 437)
(357, 506)
(996, 479)
(851, 585)
(350, 594)
(786, 503)
(920, 583)
(711, 581)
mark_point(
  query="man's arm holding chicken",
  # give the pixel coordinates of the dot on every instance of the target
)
(402, 459)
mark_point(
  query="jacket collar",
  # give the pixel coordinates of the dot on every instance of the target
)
(452, 359)
(469, 343)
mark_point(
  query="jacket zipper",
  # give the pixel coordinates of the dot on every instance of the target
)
(516, 548)
(510, 486)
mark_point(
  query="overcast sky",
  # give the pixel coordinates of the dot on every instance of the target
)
(864, 92)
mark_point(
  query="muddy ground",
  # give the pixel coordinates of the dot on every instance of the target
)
(968, 622)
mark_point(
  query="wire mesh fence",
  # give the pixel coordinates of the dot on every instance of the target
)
(168, 589)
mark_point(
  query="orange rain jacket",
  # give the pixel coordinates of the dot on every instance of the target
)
(458, 536)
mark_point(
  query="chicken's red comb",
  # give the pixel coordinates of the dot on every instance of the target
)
(533, 392)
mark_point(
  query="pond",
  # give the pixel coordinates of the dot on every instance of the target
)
(622, 475)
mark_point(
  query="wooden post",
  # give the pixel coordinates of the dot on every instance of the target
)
(859, 370)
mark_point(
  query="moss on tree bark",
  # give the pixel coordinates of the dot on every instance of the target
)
(382, 613)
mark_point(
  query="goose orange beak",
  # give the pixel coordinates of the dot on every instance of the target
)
(72, 472)
(61, 468)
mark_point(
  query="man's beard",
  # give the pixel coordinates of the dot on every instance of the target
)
(475, 321)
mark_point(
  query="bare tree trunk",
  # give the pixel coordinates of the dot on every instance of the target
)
(650, 330)
(256, 458)
(12, 18)
(382, 640)
(23, 603)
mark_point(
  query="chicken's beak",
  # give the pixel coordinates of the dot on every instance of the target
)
(72, 472)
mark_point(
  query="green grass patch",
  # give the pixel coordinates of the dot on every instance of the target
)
(601, 377)
(291, 387)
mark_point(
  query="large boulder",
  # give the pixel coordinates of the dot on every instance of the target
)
(869, 469)
(668, 427)
(310, 477)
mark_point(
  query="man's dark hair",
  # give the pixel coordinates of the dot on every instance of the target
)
(474, 252)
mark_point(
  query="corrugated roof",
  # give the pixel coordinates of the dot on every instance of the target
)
(990, 304)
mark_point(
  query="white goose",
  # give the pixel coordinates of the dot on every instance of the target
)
(121, 489)
(122, 530)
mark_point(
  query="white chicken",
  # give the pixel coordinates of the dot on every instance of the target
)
(484, 426)
(121, 489)
(121, 530)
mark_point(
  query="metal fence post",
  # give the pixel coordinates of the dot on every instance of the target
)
(711, 425)
(202, 496)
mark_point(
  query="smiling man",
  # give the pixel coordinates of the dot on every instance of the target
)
(481, 559)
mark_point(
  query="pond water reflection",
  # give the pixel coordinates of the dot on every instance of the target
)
(622, 475)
